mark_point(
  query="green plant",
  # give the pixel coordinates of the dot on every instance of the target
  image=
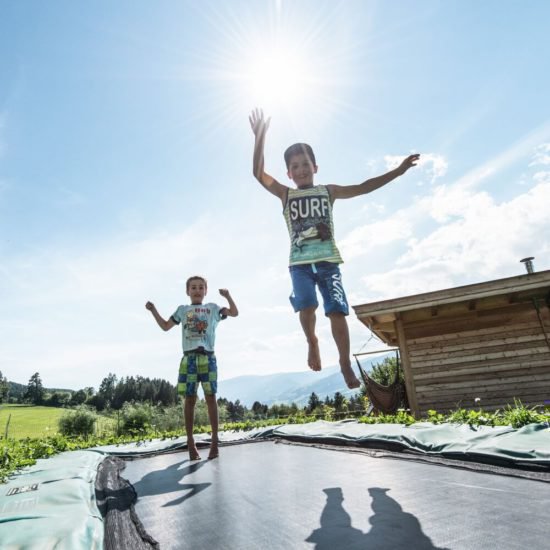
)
(434, 417)
(78, 422)
(519, 415)
(472, 417)
(136, 418)
(328, 412)
(402, 416)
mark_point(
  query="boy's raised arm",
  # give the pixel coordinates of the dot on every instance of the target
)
(164, 324)
(350, 191)
(232, 310)
(259, 126)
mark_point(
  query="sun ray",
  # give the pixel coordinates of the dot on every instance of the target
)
(296, 64)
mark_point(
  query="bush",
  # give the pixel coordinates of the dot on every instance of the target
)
(78, 422)
(136, 418)
(169, 419)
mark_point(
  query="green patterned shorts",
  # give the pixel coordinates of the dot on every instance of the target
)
(195, 368)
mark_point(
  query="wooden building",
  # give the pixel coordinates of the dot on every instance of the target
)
(489, 341)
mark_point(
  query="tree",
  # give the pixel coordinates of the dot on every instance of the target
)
(35, 390)
(259, 410)
(384, 373)
(339, 402)
(79, 397)
(107, 388)
(57, 399)
(97, 401)
(166, 394)
(313, 402)
(235, 411)
(4, 388)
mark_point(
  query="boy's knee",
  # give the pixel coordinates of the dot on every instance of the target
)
(337, 318)
(337, 315)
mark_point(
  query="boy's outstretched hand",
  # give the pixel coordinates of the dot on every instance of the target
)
(409, 162)
(224, 292)
(150, 306)
(258, 123)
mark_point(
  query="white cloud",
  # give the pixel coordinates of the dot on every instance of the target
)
(541, 177)
(415, 279)
(475, 239)
(485, 241)
(359, 241)
(433, 165)
(448, 202)
(542, 155)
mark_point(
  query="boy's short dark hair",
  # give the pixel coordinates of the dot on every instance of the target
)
(193, 278)
(299, 149)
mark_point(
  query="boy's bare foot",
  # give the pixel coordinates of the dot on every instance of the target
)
(193, 452)
(352, 381)
(314, 356)
(214, 453)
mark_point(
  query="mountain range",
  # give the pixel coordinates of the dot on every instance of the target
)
(289, 387)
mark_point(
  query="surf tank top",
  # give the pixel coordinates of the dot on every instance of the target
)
(308, 216)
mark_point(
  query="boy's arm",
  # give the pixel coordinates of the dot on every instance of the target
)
(349, 191)
(162, 323)
(259, 126)
(232, 310)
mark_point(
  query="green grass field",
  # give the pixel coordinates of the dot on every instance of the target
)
(36, 422)
(29, 421)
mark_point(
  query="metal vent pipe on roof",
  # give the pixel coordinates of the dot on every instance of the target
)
(528, 264)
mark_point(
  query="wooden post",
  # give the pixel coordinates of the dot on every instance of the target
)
(6, 431)
(406, 364)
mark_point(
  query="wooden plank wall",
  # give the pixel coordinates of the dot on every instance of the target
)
(508, 358)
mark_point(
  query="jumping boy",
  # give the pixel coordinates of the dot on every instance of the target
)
(198, 364)
(314, 257)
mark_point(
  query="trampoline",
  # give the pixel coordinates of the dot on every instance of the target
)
(282, 496)
(321, 486)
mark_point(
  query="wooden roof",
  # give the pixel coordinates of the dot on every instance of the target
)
(471, 303)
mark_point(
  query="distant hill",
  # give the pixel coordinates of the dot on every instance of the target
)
(18, 390)
(288, 387)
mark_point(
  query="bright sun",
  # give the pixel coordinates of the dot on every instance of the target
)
(277, 79)
(284, 63)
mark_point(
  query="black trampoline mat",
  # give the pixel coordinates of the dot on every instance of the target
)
(269, 495)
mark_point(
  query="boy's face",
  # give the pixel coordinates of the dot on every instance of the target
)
(196, 290)
(301, 170)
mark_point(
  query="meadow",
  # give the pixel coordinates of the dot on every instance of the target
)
(28, 421)
(36, 422)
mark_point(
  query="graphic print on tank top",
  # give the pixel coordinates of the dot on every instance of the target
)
(309, 220)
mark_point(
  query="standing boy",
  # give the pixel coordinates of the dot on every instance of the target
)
(314, 257)
(198, 364)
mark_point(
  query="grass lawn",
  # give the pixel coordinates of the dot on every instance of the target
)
(29, 421)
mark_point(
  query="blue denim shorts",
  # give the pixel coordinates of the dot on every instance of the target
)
(327, 276)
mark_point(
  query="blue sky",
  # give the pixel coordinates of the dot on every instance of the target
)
(125, 166)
